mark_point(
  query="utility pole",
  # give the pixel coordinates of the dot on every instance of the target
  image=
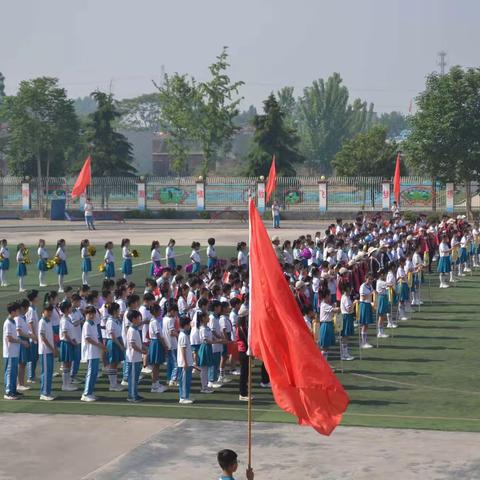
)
(442, 62)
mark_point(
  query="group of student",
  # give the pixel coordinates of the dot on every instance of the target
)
(194, 319)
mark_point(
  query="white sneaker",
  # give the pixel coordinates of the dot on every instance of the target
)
(468, 270)
(60, 290)
(172, 383)
(366, 345)
(390, 325)
(5, 284)
(21, 290)
(75, 381)
(115, 388)
(88, 398)
(147, 370)
(223, 380)
(265, 385)
(159, 389)
(214, 385)
(31, 380)
(461, 275)
(206, 390)
(124, 383)
(47, 398)
(10, 397)
(404, 319)
(382, 335)
(43, 285)
(348, 358)
(69, 388)
(185, 401)
(236, 372)
(22, 388)
(245, 399)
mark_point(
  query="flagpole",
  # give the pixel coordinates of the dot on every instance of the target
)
(249, 412)
(249, 353)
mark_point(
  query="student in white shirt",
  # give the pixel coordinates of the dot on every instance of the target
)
(366, 316)
(185, 362)
(195, 257)
(127, 267)
(11, 351)
(217, 348)
(67, 344)
(109, 260)
(226, 329)
(156, 347)
(88, 209)
(170, 336)
(403, 290)
(42, 262)
(383, 306)
(4, 262)
(32, 321)
(92, 351)
(148, 300)
(47, 352)
(76, 317)
(327, 333)
(134, 353)
(242, 257)
(62, 268)
(211, 254)
(348, 329)
(21, 266)
(24, 334)
(115, 345)
(170, 254)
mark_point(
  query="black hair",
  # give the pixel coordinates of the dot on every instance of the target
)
(76, 297)
(25, 303)
(90, 309)
(65, 306)
(200, 317)
(124, 242)
(226, 459)
(47, 308)
(131, 299)
(148, 297)
(215, 304)
(211, 241)
(32, 294)
(155, 309)
(12, 307)
(106, 292)
(112, 308)
(132, 315)
(184, 321)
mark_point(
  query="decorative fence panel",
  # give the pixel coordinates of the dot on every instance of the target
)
(171, 193)
(229, 193)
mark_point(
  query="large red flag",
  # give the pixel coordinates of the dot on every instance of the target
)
(84, 179)
(272, 180)
(396, 180)
(303, 384)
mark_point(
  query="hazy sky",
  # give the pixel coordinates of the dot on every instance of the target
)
(382, 48)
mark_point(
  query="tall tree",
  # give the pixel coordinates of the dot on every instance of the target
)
(141, 113)
(112, 153)
(445, 142)
(273, 137)
(325, 120)
(42, 128)
(288, 104)
(201, 112)
(395, 122)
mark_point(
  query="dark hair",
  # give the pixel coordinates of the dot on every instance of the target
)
(107, 245)
(211, 241)
(65, 306)
(148, 297)
(133, 314)
(124, 242)
(83, 243)
(184, 321)
(131, 299)
(90, 309)
(32, 295)
(47, 308)
(155, 309)
(154, 245)
(76, 297)
(25, 303)
(215, 304)
(12, 307)
(112, 308)
(200, 317)
(226, 459)
(106, 292)
(68, 288)
(49, 296)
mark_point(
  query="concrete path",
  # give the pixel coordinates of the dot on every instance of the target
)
(103, 448)
(142, 232)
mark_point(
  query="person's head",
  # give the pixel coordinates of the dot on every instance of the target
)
(113, 309)
(150, 284)
(41, 242)
(131, 287)
(109, 246)
(92, 298)
(20, 246)
(211, 241)
(4, 242)
(125, 242)
(61, 243)
(121, 292)
(24, 305)
(171, 242)
(156, 310)
(134, 317)
(47, 311)
(84, 243)
(133, 302)
(32, 296)
(216, 307)
(107, 296)
(235, 304)
(148, 299)
(155, 245)
(66, 307)
(185, 323)
(369, 277)
(76, 298)
(228, 461)
(13, 309)
(90, 313)
(172, 309)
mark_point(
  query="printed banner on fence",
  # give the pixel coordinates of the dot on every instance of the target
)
(200, 196)
(141, 196)
(386, 196)
(322, 196)
(25, 196)
(450, 195)
(261, 197)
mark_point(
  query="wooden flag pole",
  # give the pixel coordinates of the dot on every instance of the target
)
(249, 412)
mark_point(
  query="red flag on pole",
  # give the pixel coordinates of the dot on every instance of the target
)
(396, 180)
(84, 179)
(303, 383)
(272, 180)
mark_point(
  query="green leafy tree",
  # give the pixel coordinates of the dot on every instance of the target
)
(84, 106)
(444, 142)
(394, 122)
(273, 137)
(112, 153)
(325, 120)
(203, 113)
(42, 127)
(288, 104)
(141, 113)
(245, 118)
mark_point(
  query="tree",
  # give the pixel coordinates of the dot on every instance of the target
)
(84, 106)
(288, 104)
(42, 128)
(112, 153)
(444, 142)
(325, 120)
(368, 154)
(273, 137)
(2, 87)
(245, 118)
(394, 122)
(202, 113)
(141, 113)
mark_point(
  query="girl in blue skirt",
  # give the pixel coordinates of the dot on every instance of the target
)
(392, 295)
(205, 354)
(444, 267)
(61, 259)
(127, 267)
(327, 332)
(170, 254)
(24, 334)
(109, 260)
(4, 262)
(383, 305)
(155, 257)
(403, 291)
(86, 260)
(67, 345)
(42, 262)
(21, 266)
(115, 346)
(195, 257)
(366, 314)
(156, 347)
(348, 330)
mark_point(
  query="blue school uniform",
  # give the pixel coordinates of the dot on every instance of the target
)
(327, 334)
(383, 305)
(42, 265)
(127, 268)
(348, 329)
(21, 270)
(366, 316)
(62, 268)
(110, 270)
(403, 292)
(156, 352)
(24, 356)
(114, 353)
(444, 265)
(67, 351)
(205, 355)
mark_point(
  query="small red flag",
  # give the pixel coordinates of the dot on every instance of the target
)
(84, 179)
(272, 180)
(303, 383)
(396, 180)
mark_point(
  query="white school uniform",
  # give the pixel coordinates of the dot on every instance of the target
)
(10, 350)
(45, 329)
(205, 334)
(168, 326)
(226, 325)
(133, 338)
(211, 251)
(61, 254)
(84, 252)
(242, 258)
(113, 326)
(146, 317)
(346, 304)
(234, 321)
(214, 324)
(443, 249)
(326, 312)
(32, 318)
(287, 257)
(155, 255)
(182, 306)
(109, 257)
(122, 304)
(184, 343)
(4, 252)
(21, 325)
(66, 327)
(19, 256)
(90, 351)
(170, 252)
(155, 327)
(382, 287)
(77, 318)
(42, 253)
(125, 253)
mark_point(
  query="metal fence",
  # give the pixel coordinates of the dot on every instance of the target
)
(231, 193)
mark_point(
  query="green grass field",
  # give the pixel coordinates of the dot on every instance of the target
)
(425, 377)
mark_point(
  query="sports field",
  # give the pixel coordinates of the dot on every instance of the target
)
(425, 377)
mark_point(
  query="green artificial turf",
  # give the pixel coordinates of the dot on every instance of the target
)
(425, 377)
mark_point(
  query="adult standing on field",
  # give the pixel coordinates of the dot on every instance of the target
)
(88, 209)
(276, 214)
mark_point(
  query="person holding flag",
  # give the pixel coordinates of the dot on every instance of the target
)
(80, 188)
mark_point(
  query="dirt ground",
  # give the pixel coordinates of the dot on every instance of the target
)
(103, 448)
